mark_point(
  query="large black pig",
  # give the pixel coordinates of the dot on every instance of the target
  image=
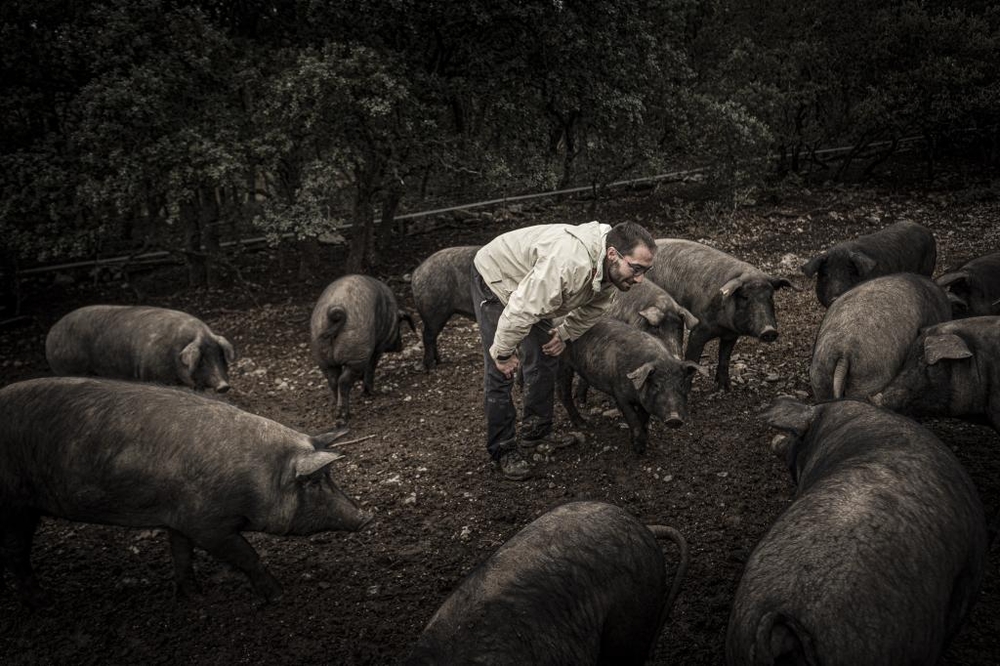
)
(866, 333)
(585, 583)
(441, 289)
(729, 297)
(142, 455)
(648, 307)
(633, 367)
(878, 559)
(139, 342)
(353, 323)
(904, 247)
(974, 287)
(952, 369)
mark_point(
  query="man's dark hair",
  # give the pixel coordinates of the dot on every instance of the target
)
(625, 236)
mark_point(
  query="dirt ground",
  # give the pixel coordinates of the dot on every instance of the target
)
(441, 508)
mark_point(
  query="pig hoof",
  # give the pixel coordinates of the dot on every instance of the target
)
(639, 448)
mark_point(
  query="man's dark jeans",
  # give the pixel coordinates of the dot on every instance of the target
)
(539, 372)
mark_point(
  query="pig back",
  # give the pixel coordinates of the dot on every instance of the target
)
(611, 349)
(441, 283)
(887, 535)
(100, 450)
(869, 330)
(366, 320)
(693, 273)
(588, 572)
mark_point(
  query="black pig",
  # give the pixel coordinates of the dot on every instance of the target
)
(353, 323)
(974, 288)
(904, 247)
(650, 308)
(441, 289)
(139, 342)
(729, 297)
(866, 333)
(635, 369)
(585, 583)
(142, 455)
(952, 369)
(877, 560)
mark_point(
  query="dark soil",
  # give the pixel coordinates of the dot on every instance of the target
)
(441, 507)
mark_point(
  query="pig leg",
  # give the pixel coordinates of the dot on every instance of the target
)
(638, 423)
(580, 392)
(432, 329)
(340, 379)
(368, 381)
(18, 531)
(182, 552)
(233, 549)
(565, 385)
(726, 344)
(697, 340)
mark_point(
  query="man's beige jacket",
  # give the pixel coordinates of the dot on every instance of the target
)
(546, 271)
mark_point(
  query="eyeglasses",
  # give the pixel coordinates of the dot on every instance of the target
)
(637, 269)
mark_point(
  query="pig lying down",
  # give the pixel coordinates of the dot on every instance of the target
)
(137, 455)
(139, 342)
(877, 560)
(586, 583)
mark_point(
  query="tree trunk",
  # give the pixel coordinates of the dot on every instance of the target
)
(310, 264)
(362, 228)
(208, 217)
(388, 233)
(194, 258)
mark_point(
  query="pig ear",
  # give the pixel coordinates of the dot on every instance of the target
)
(789, 414)
(191, 354)
(652, 314)
(863, 262)
(689, 319)
(949, 279)
(640, 374)
(730, 287)
(405, 316)
(227, 348)
(811, 266)
(945, 346)
(691, 367)
(325, 439)
(954, 299)
(778, 283)
(313, 465)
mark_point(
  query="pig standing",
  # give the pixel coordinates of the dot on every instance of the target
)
(904, 247)
(651, 309)
(865, 335)
(585, 583)
(139, 342)
(729, 297)
(634, 368)
(354, 322)
(974, 288)
(878, 559)
(952, 369)
(441, 289)
(140, 455)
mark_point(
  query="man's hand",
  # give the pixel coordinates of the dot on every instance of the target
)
(555, 346)
(508, 367)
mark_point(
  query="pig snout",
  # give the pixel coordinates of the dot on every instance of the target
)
(674, 420)
(769, 334)
(364, 520)
(877, 400)
(222, 387)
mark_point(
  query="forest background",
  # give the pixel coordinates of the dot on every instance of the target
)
(132, 126)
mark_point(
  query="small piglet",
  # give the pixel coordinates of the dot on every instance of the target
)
(354, 322)
(144, 455)
(729, 297)
(139, 342)
(585, 583)
(904, 247)
(866, 333)
(877, 560)
(650, 308)
(974, 287)
(952, 369)
(441, 289)
(635, 369)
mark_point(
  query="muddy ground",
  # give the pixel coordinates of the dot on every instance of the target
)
(441, 507)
